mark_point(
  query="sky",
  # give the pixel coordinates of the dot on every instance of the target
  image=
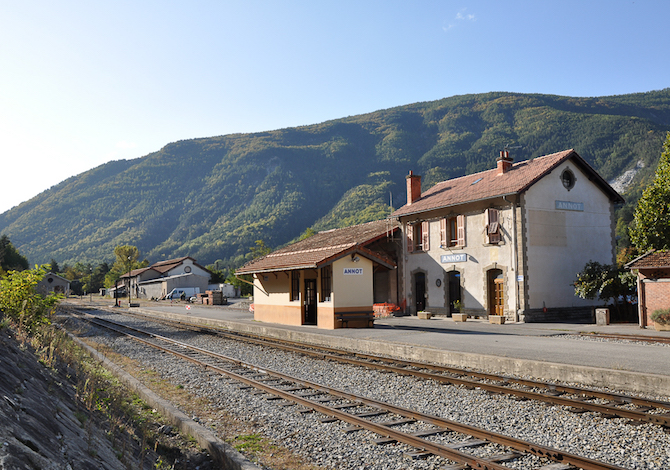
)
(83, 83)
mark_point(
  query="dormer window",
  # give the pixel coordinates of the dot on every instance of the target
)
(568, 179)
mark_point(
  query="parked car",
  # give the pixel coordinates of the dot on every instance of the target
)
(183, 293)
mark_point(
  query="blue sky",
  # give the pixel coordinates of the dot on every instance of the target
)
(83, 83)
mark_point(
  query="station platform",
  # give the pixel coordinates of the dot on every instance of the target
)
(547, 351)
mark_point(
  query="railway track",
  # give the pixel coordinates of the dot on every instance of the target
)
(429, 434)
(577, 399)
(641, 338)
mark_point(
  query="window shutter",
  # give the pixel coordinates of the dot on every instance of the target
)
(487, 217)
(492, 226)
(443, 233)
(425, 236)
(460, 224)
(410, 238)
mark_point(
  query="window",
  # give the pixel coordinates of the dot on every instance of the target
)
(326, 283)
(452, 231)
(418, 237)
(493, 232)
(568, 179)
(295, 285)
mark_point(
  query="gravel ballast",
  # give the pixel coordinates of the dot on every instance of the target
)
(610, 440)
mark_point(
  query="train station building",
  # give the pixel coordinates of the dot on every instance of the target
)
(508, 241)
(329, 280)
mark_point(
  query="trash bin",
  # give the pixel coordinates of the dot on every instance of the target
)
(602, 316)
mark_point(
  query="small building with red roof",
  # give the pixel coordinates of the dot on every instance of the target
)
(508, 241)
(653, 283)
(330, 280)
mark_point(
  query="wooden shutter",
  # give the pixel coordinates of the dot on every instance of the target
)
(410, 238)
(492, 226)
(444, 242)
(460, 228)
(425, 235)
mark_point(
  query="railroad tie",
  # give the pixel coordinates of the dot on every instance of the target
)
(467, 443)
(429, 432)
(504, 457)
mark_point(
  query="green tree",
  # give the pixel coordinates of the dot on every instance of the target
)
(651, 221)
(53, 266)
(260, 250)
(20, 301)
(10, 258)
(605, 282)
(127, 259)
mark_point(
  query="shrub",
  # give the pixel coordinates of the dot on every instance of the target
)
(20, 303)
(661, 316)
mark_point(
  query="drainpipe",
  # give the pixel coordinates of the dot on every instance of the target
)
(515, 258)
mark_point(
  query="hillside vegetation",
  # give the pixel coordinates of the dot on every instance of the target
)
(211, 198)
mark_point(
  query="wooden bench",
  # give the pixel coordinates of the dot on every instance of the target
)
(345, 317)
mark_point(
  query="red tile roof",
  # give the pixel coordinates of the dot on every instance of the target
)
(652, 259)
(324, 247)
(488, 184)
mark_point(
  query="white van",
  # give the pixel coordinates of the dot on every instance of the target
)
(187, 292)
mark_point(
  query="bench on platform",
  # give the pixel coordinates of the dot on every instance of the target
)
(363, 315)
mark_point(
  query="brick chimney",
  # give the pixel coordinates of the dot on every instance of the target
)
(413, 187)
(504, 162)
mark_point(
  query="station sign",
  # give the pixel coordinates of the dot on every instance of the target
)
(454, 258)
(570, 206)
(353, 271)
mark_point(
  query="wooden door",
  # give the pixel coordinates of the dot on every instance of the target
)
(496, 286)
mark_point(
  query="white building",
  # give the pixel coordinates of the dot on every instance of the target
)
(507, 241)
(157, 280)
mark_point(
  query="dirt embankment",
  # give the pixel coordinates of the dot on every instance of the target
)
(45, 424)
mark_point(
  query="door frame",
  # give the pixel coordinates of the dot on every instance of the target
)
(415, 294)
(310, 302)
(495, 290)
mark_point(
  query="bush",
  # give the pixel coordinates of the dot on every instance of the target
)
(661, 316)
(21, 303)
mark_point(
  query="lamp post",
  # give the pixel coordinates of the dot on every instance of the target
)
(90, 281)
(129, 264)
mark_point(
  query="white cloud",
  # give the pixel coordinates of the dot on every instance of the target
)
(461, 15)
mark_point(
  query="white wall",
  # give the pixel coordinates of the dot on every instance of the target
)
(561, 242)
(352, 290)
(480, 257)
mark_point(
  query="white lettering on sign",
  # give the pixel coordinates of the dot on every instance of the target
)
(455, 258)
(353, 271)
(570, 206)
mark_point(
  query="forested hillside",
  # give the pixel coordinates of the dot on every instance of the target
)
(211, 198)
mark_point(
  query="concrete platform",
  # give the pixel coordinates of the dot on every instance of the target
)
(528, 349)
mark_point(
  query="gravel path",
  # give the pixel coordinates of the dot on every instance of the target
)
(610, 440)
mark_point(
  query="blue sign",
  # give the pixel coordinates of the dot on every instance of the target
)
(454, 258)
(570, 206)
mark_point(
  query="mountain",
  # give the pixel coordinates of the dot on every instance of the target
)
(211, 198)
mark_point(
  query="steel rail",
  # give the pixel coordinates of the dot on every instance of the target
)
(659, 419)
(373, 362)
(641, 338)
(417, 442)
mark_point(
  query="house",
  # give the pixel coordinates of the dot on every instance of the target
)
(157, 280)
(653, 283)
(507, 241)
(53, 284)
(330, 279)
